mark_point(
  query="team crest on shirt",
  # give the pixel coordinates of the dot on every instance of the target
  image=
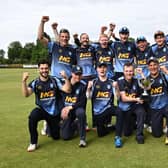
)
(129, 48)
(134, 88)
(97, 86)
(70, 53)
(164, 49)
(77, 91)
(99, 52)
(109, 52)
(119, 48)
(156, 53)
(146, 54)
(39, 87)
(51, 85)
(160, 81)
(60, 50)
(108, 86)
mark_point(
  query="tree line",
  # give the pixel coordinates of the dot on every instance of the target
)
(30, 53)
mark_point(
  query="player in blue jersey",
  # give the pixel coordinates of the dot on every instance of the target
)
(129, 103)
(160, 50)
(142, 55)
(124, 52)
(100, 90)
(104, 53)
(158, 98)
(63, 54)
(85, 58)
(46, 90)
(73, 110)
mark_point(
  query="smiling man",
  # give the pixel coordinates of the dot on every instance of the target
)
(129, 103)
(158, 98)
(46, 90)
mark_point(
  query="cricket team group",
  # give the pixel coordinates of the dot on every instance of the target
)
(124, 79)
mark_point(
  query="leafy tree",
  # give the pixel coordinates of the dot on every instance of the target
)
(39, 52)
(26, 53)
(14, 52)
(2, 53)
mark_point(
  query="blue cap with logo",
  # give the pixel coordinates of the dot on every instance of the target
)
(124, 30)
(77, 69)
(140, 38)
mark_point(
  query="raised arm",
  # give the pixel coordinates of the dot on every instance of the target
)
(55, 31)
(26, 91)
(41, 37)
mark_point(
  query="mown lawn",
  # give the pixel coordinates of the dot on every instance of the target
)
(100, 153)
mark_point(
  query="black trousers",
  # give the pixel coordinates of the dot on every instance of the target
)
(102, 120)
(157, 121)
(37, 115)
(75, 122)
(125, 120)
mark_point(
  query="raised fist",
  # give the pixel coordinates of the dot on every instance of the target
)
(103, 29)
(54, 25)
(45, 18)
(112, 26)
(25, 76)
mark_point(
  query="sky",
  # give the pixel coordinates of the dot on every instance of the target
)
(20, 18)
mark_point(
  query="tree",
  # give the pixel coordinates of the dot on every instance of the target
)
(14, 52)
(39, 52)
(2, 54)
(26, 53)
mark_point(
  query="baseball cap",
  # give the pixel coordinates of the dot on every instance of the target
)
(77, 69)
(99, 64)
(152, 59)
(124, 30)
(140, 38)
(159, 33)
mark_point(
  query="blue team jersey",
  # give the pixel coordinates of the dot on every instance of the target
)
(102, 96)
(47, 94)
(85, 57)
(141, 61)
(131, 90)
(124, 52)
(161, 53)
(77, 97)
(158, 92)
(62, 59)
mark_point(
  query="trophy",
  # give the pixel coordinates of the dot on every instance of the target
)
(145, 84)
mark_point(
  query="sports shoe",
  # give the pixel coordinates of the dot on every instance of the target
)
(166, 141)
(165, 129)
(140, 140)
(32, 147)
(118, 142)
(82, 143)
(149, 129)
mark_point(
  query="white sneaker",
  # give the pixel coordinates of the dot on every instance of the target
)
(149, 129)
(32, 147)
(82, 143)
(165, 130)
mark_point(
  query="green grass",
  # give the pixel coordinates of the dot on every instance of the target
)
(100, 153)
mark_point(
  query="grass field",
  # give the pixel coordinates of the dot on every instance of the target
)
(100, 153)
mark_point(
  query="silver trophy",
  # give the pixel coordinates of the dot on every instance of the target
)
(145, 84)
